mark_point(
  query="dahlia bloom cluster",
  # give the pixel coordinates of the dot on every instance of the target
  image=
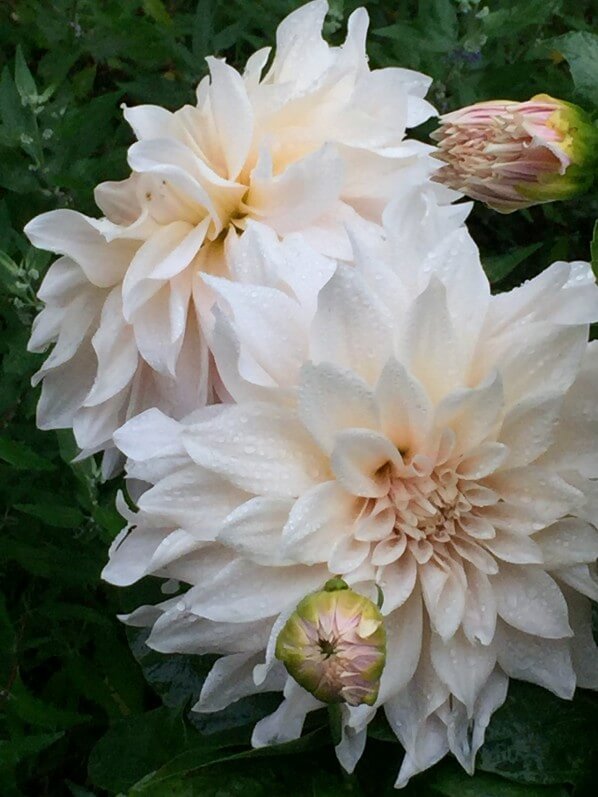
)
(317, 383)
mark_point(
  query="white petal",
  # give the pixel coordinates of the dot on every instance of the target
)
(539, 661)
(260, 448)
(316, 522)
(287, 721)
(332, 399)
(194, 499)
(405, 409)
(269, 326)
(404, 627)
(254, 529)
(357, 459)
(231, 678)
(568, 542)
(66, 232)
(351, 328)
(528, 599)
(233, 116)
(472, 413)
(292, 200)
(243, 592)
(463, 666)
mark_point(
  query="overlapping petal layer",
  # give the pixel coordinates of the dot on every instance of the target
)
(308, 145)
(411, 432)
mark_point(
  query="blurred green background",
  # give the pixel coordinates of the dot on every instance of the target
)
(86, 709)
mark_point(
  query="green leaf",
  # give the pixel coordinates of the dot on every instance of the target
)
(451, 781)
(157, 11)
(536, 738)
(24, 80)
(14, 751)
(580, 48)
(497, 267)
(192, 762)
(67, 517)
(135, 746)
(22, 457)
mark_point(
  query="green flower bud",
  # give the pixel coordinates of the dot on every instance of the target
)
(334, 645)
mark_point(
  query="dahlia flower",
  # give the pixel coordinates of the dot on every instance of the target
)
(419, 436)
(306, 146)
(512, 155)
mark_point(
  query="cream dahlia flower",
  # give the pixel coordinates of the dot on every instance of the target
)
(419, 435)
(308, 145)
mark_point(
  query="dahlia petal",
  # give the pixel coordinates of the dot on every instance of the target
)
(194, 499)
(116, 352)
(547, 355)
(528, 429)
(516, 548)
(546, 662)
(540, 490)
(472, 413)
(150, 435)
(479, 615)
(232, 111)
(430, 344)
(431, 746)
(150, 121)
(357, 460)
(259, 314)
(529, 600)
(351, 328)
(253, 592)
(583, 579)
(292, 200)
(64, 389)
(463, 666)
(398, 582)
(404, 407)
(351, 747)
(301, 53)
(286, 723)
(66, 232)
(254, 528)
(315, 521)
(404, 627)
(260, 448)
(584, 652)
(231, 678)
(331, 399)
(182, 632)
(568, 542)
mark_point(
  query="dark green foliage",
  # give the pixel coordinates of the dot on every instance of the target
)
(85, 711)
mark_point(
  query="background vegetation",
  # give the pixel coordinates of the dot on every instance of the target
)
(86, 710)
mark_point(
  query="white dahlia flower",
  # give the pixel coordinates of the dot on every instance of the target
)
(311, 144)
(407, 430)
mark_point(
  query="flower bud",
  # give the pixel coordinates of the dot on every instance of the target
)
(511, 155)
(334, 645)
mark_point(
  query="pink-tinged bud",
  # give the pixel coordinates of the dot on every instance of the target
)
(511, 155)
(334, 645)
